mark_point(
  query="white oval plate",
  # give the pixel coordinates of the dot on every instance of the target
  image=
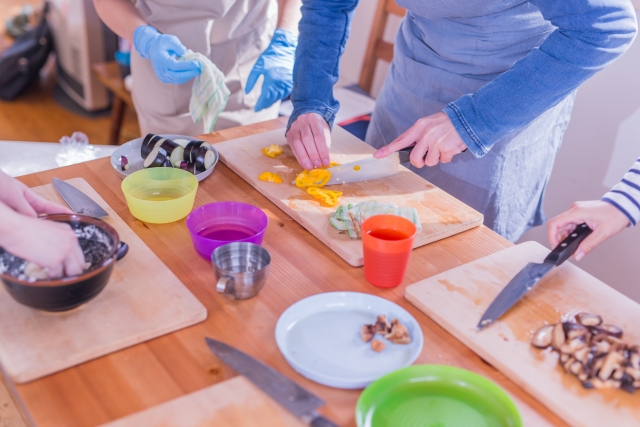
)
(320, 338)
(131, 150)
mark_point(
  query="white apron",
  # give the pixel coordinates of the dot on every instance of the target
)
(232, 33)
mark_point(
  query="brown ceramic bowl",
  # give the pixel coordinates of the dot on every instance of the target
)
(100, 244)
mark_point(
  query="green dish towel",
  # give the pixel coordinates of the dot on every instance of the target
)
(342, 221)
(209, 93)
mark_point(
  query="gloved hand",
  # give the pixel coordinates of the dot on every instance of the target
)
(276, 64)
(163, 51)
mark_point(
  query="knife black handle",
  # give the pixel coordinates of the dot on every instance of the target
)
(568, 246)
(320, 421)
(405, 153)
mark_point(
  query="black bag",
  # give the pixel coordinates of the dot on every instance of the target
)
(21, 63)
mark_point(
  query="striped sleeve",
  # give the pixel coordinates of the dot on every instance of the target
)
(626, 194)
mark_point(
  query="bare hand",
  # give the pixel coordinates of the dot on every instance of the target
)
(49, 244)
(603, 218)
(310, 138)
(434, 136)
(23, 200)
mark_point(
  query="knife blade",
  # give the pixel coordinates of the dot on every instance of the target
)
(79, 202)
(287, 393)
(365, 169)
(530, 275)
(82, 204)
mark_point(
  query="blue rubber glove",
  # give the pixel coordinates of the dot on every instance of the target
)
(276, 65)
(163, 51)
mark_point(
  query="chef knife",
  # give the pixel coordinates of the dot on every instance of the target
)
(369, 168)
(82, 204)
(531, 274)
(287, 393)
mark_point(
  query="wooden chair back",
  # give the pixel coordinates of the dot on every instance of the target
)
(377, 47)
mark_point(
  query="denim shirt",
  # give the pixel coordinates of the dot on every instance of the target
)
(584, 37)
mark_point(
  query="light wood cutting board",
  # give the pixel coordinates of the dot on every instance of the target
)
(441, 215)
(142, 300)
(457, 298)
(235, 402)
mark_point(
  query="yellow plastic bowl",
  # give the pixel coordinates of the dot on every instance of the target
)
(160, 195)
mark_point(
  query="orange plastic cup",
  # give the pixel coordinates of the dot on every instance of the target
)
(387, 241)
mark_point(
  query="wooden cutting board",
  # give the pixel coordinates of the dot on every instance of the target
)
(441, 215)
(457, 298)
(142, 300)
(235, 402)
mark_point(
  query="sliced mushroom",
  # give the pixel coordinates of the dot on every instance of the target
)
(564, 357)
(618, 373)
(634, 358)
(368, 332)
(542, 337)
(610, 383)
(611, 363)
(558, 337)
(576, 368)
(398, 334)
(611, 330)
(572, 346)
(567, 365)
(574, 330)
(633, 373)
(377, 345)
(626, 383)
(636, 384)
(588, 319)
(382, 325)
(582, 354)
(601, 344)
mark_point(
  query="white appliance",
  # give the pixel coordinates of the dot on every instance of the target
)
(81, 40)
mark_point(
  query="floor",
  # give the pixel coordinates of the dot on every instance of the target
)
(35, 116)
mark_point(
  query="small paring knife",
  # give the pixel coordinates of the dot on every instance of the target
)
(531, 274)
(287, 393)
(82, 204)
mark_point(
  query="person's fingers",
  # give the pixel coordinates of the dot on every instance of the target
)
(44, 206)
(310, 145)
(174, 45)
(590, 243)
(177, 66)
(298, 148)
(255, 73)
(74, 263)
(433, 156)
(321, 136)
(266, 99)
(404, 140)
(22, 206)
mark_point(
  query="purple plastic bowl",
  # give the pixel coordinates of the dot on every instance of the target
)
(217, 224)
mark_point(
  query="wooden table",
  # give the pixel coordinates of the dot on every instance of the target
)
(168, 367)
(108, 74)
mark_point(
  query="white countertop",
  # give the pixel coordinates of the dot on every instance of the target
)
(22, 158)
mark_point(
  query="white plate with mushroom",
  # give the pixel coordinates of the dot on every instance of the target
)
(335, 338)
(165, 150)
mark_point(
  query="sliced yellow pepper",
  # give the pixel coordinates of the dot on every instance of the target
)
(328, 197)
(272, 150)
(270, 177)
(313, 178)
(333, 164)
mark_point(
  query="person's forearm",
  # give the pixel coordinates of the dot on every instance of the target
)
(590, 34)
(324, 30)
(289, 15)
(9, 225)
(121, 16)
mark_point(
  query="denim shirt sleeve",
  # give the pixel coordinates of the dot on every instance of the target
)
(324, 30)
(589, 35)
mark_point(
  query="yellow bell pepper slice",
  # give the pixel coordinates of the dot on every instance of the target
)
(313, 178)
(333, 164)
(270, 177)
(328, 197)
(272, 150)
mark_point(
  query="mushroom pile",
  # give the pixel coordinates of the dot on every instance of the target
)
(395, 332)
(593, 352)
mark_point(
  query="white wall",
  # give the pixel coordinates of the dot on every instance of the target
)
(601, 143)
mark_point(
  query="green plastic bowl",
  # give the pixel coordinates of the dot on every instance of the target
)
(435, 396)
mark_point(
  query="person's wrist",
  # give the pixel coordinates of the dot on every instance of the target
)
(142, 38)
(286, 37)
(9, 226)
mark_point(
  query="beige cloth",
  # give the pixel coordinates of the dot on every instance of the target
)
(231, 33)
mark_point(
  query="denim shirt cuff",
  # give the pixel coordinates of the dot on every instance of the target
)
(463, 128)
(320, 108)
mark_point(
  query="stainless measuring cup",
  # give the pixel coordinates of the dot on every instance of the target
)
(241, 269)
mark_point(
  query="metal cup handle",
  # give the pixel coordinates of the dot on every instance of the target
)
(225, 286)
